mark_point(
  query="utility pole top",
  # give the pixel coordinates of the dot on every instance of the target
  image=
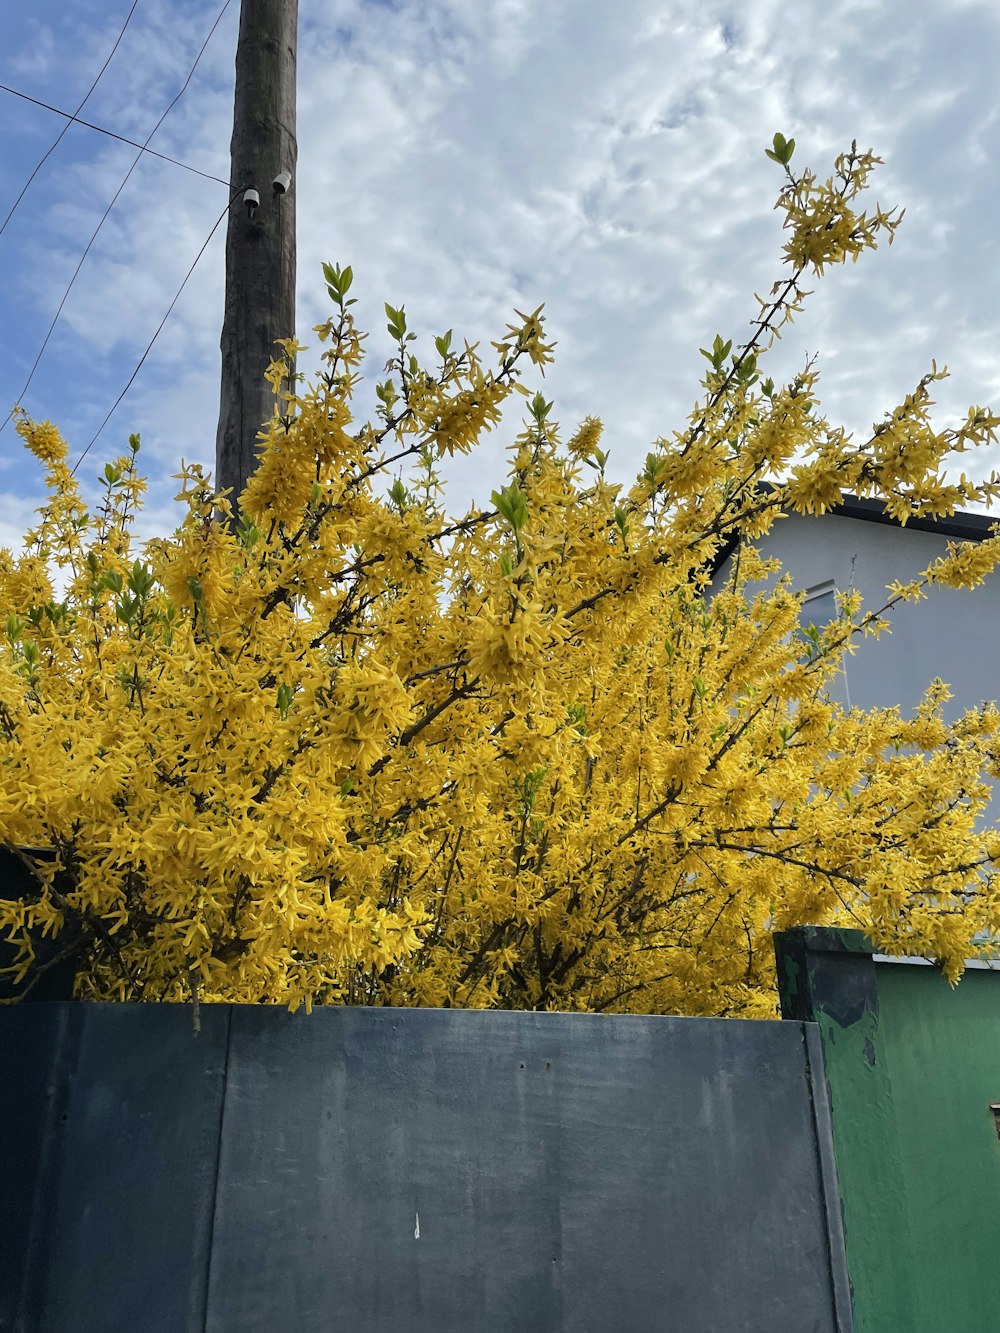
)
(260, 240)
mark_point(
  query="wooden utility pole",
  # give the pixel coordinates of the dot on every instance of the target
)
(260, 241)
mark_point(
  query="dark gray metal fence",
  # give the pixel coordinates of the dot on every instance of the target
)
(413, 1171)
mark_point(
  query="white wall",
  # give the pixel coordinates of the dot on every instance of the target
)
(953, 634)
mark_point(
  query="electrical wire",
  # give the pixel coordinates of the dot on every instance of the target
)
(132, 143)
(107, 211)
(159, 329)
(59, 136)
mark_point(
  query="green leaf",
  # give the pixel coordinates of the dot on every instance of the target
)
(247, 534)
(338, 282)
(781, 150)
(652, 468)
(720, 350)
(540, 408)
(397, 322)
(578, 719)
(140, 580)
(386, 393)
(512, 505)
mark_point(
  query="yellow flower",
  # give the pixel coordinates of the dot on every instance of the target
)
(359, 750)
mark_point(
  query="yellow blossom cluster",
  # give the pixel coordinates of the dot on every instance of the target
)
(333, 745)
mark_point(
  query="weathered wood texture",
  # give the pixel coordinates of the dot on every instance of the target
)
(260, 251)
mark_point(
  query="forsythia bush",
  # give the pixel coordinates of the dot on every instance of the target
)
(348, 749)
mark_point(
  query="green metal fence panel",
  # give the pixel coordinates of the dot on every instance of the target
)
(913, 1067)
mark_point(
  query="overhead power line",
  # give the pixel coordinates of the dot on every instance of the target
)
(132, 143)
(159, 329)
(58, 139)
(104, 217)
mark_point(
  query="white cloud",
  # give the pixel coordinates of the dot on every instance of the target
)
(469, 158)
(36, 57)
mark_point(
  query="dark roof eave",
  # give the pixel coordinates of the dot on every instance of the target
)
(962, 526)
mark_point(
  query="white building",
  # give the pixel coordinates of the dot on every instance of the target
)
(954, 633)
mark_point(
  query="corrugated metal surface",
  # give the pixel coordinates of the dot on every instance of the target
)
(418, 1171)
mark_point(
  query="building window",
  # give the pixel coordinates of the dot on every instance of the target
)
(819, 607)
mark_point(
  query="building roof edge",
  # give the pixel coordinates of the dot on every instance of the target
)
(962, 525)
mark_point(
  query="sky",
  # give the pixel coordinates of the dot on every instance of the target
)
(469, 157)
